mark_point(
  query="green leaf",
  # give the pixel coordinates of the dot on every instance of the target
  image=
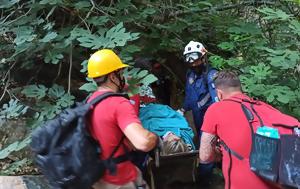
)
(16, 146)
(98, 20)
(142, 73)
(261, 71)
(131, 48)
(117, 36)
(131, 73)
(19, 49)
(66, 100)
(89, 87)
(282, 94)
(226, 46)
(114, 37)
(295, 26)
(12, 110)
(51, 2)
(49, 111)
(234, 62)
(91, 41)
(35, 91)
(245, 28)
(273, 51)
(124, 4)
(78, 32)
(24, 34)
(24, 143)
(56, 91)
(15, 167)
(148, 79)
(272, 14)
(250, 85)
(217, 61)
(50, 36)
(8, 3)
(48, 26)
(82, 4)
(147, 12)
(276, 61)
(84, 66)
(204, 3)
(53, 57)
(285, 59)
(9, 149)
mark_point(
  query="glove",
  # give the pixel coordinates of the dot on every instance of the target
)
(181, 111)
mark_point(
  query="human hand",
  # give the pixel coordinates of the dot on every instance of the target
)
(218, 154)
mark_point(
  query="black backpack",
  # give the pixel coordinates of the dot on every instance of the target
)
(66, 153)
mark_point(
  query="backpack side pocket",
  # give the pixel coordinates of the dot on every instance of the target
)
(289, 168)
(265, 157)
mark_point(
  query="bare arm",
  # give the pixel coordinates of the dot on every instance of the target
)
(141, 138)
(207, 147)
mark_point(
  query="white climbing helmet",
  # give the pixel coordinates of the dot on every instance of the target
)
(194, 46)
(193, 51)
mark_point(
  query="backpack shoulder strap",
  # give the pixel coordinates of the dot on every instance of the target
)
(229, 150)
(250, 117)
(106, 95)
(117, 147)
(211, 86)
(248, 113)
(112, 161)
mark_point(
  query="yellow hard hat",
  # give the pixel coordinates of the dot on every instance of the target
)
(103, 62)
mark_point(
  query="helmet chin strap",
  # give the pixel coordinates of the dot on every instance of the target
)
(121, 82)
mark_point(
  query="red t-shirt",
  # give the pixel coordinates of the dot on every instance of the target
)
(108, 121)
(226, 120)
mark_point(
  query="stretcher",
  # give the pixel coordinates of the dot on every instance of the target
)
(165, 169)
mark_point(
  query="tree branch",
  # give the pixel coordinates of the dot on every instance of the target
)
(91, 10)
(70, 68)
(223, 8)
(4, 90)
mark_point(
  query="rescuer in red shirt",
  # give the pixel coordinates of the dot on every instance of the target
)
(226, 121)
(113, 118)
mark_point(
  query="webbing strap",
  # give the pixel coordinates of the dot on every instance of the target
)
(106, 95)
(117, 147)
(230, 151)
(111, 163)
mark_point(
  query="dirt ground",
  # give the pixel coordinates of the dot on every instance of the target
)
(181, 173)
(217, 183)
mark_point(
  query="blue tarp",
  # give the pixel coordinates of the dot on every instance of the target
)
(160, 119)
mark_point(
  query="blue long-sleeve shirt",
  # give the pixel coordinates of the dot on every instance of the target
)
(199, 94)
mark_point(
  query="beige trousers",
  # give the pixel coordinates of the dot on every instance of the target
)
(139, 183)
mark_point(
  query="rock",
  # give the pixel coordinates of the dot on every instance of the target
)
(23, 182)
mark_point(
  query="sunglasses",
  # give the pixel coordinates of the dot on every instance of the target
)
(192, 57)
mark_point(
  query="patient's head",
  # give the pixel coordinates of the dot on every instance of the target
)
(173, 144)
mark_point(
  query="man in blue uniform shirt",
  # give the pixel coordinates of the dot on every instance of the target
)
(199, 91)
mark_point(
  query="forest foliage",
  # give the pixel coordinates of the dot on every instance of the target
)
(45, 44)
